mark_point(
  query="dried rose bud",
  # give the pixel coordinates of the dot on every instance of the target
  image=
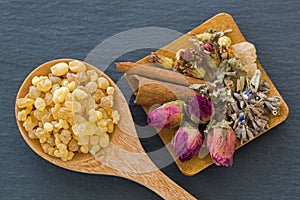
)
(187, 142)
(167, 116)
(162, 60)
(200, 109)
(207, 46)
(221, 142)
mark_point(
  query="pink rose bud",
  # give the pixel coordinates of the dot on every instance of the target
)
(167, 116)
(187, 142)
(221, 143)
(200, 109)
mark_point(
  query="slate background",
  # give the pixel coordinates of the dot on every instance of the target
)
(33, 32)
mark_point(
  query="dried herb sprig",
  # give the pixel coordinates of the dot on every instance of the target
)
(212, 35)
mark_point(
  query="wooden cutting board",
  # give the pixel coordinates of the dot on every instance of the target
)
(219, 22)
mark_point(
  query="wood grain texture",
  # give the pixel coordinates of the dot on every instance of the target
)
(219, 22)
(125, 156)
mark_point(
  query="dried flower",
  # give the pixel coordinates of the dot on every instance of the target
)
(186, 63)
(187, 142)
(221, 142)
(207, 46)
(244, 132)
(200, 109)
(185, 54)
(213, 42)
(167, 116)
(224, 41)
(162, 60)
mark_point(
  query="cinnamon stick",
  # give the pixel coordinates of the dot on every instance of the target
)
(149, 92)
(156, 73)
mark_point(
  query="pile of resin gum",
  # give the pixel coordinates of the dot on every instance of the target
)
(69, 110)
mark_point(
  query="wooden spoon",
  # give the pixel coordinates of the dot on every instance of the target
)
(125, 156)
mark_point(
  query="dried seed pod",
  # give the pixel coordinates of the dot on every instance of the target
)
(255, 81)
(242, 104)
(242, 82)
(248, 93)
(235, 107)
(249, 114)
(229, 108)
(270, 107)
(273, 99)
(244, 134)
(238, 85)
(260, 110)
(276, 104)
(247, 83)
(230, 73)
(249, 133)
(255, 111)
(264, 89)
(238, 132)
(255, 126)
(238, 96)
(258, 103)
(235, 119)
(260, 96)
(246, 97)
(264, 117)
(252, 101)
(259, 123)
(252, 131)
(241, 117)
(241, 131)
(275, 112)
(240, 100)
(265, 84)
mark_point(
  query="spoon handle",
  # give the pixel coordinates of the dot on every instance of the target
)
(161, 184)
(137, 167)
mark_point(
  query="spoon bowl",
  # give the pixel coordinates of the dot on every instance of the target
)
(124, 157)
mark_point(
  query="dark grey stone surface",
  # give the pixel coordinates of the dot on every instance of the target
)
(33, 32)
